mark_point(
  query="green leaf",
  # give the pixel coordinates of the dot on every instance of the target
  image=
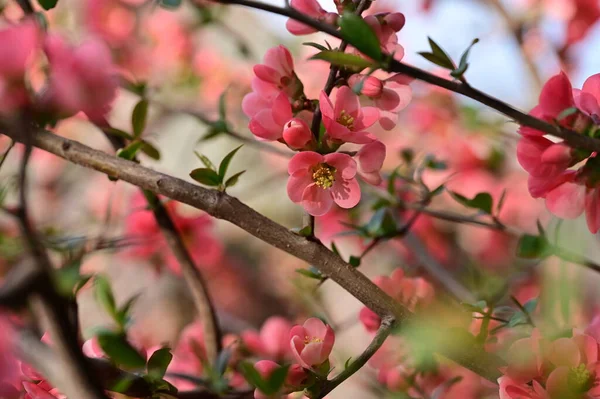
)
(254, 378)
(478, 307)
(309, 274)
(347, 363)
(122, 315)
(359, 34)
(223, 361)
(104, 295)
(566, 113)
(150, 150)
(441, 55)
(335, 249)
(407, 155)
(305, 231)
(48, 4)
(463, 65)
(120, 351)
(342, 59)
(224, 165)
(315, 45)
(130, 151)
(68, 277)
(206, 176)
(158, 362)
(170, 4)
(354, 261)
(223, 105)
(530, 305)
(434, 164)
(204, 159)
(232, 181)
(532, 247)
(139, 117)
(117, 132)
(277, 379)
(482, 201)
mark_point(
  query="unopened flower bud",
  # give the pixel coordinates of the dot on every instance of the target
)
(395, 20)
(296, 133)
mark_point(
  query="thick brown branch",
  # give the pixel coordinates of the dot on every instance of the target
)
(225, 207)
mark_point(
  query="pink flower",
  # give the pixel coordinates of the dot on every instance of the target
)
(276, 74)
(268, 123)
(370, 160)
(81, 78)
(541, 157)
(390, 96)
(272, 340)
(587, 12)
(312, 9)
(297, 134)
(34, 391)
(14, 58)
(510, 389)
(312, 343)
(385, 27)
(318, 181)
(294, 380)
(347, 120)
(411, 292)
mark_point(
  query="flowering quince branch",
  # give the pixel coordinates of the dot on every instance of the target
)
(571, 137)
(385, 329)
(223, 206)
(47, 304)
(191, 274)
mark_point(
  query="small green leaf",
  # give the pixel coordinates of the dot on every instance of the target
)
(309, 274)
(104, 295)
(254, 378)
(232, 181)
(441, 55)
(277, 379)
(463, 65)
(68, 277)
(139, 117)
(130, 151)
(478, 307)
(150, 150)
(532, 247)
(501, 202)
(170, 4)
(223, 361)
(342, 59)
(359, 34)
(223, 105)
(354, 261)
(566, 113)
(482, 201)
(48, 4)
(315, 45)
(531, 305)
(204, 159)
(434, 164)
(347, 363)
(305, 231)
(117, 132)
(158, 363)
(224, 165)
(206, 176)
(211, 134)
(335, 249)
(120, 351)
(407, 155)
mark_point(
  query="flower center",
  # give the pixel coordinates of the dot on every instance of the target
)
(308, 340)
(346, 119)
(323, 175)
(580, 379)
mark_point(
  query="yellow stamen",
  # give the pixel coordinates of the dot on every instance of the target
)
(346, 119)
(323, 175)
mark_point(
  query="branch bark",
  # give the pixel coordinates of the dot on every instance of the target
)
(223, 206)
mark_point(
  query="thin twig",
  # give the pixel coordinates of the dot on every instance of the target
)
(386, 327)
(192, 276)
(516, 29)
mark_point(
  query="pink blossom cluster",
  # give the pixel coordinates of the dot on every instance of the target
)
(80, 78)
(544, 368)
(566, 178)
(320, 174)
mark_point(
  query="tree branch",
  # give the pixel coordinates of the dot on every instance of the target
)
(386, 327)
(223, 206)
(192, 276)
(570, 137)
